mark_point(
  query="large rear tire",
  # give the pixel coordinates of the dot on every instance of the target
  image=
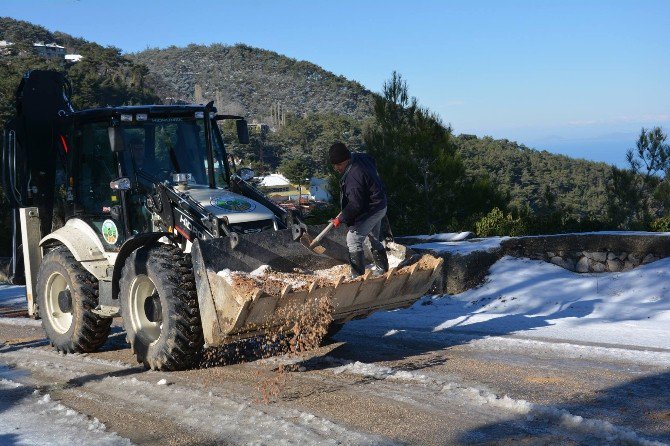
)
(67, 294)
(159, 305)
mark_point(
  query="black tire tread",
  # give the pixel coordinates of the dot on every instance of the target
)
(180, 343)
(90, 331)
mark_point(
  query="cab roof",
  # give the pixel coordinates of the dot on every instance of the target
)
(151, 110)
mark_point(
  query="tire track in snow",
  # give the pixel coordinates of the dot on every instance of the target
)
(58, 424)
(233, 418)
(445, 398)
(589, 427)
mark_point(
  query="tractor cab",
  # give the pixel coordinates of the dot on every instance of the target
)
(115, 158)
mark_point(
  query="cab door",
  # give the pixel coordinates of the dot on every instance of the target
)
(94, 166)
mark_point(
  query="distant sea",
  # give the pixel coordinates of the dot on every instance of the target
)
(610, 150)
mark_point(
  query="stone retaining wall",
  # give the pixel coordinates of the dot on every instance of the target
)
(591, 253)
(595, 262)
(581, 253)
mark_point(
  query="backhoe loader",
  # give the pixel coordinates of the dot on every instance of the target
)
(135, 211)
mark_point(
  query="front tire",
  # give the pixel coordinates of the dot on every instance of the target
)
(159, 305)
(67, 294)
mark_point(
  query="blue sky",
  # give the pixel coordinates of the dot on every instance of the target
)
(573, 77)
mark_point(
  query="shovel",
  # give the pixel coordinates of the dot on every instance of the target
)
(314, 244)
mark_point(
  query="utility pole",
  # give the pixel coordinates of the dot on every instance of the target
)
(198, 95)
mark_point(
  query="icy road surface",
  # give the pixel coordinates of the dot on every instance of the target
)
(536, 355)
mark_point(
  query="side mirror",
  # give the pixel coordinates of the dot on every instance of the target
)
(116, 141)
(242, 131)
(245, 173)
(120, 184)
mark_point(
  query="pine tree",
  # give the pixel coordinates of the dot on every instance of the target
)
(642, 192)
(298, 171)
(419, 164)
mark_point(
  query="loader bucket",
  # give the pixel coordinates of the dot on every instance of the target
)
(236, 305)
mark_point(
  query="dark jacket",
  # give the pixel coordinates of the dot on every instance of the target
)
(363, 193)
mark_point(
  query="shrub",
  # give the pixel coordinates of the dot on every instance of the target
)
(497, 223)
(661, 224)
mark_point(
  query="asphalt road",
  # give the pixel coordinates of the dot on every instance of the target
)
(451, 388)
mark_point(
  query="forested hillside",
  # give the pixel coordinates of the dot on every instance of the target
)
(320, 106)
(251, 81)
(306, 107)
(537, 178)
(103, 77)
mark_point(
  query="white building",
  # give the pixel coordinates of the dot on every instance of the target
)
(279, 188)
(49, 50)
(73, 58)
(274, 180)
(319, 189)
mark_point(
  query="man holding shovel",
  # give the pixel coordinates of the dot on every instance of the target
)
(363, 202)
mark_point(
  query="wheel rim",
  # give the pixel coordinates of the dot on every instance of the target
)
(141, 289)
(61, 321)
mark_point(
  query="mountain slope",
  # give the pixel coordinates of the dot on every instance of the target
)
(529, 176)
(103, 77)
(251, 80)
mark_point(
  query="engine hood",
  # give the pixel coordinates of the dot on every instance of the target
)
(223, 203)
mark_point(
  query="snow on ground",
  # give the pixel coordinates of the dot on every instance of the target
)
(233, 418)
(462, 247)
(533, 298)
(444, 237)
(483, 397)
(527, 304)
(627, 233)
(239, 422)
(543, 301)
(459, 242)
(21, 321)
(31, 418)
(630, 308)
(12, 295)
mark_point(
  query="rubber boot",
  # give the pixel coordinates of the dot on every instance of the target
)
(357, 263)
(381, 260)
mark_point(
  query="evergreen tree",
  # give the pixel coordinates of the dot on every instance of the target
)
(298, 171)
(419, 164)
(642, 192)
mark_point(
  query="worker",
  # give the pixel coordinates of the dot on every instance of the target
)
(363, 203)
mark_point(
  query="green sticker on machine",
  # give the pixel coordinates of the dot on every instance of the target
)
(232, 205)
(109, 232)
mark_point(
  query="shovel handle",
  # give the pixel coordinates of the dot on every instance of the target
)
(321, 235)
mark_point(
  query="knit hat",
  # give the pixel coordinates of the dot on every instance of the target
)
(338, 152)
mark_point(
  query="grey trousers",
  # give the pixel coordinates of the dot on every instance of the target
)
(367, 228)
